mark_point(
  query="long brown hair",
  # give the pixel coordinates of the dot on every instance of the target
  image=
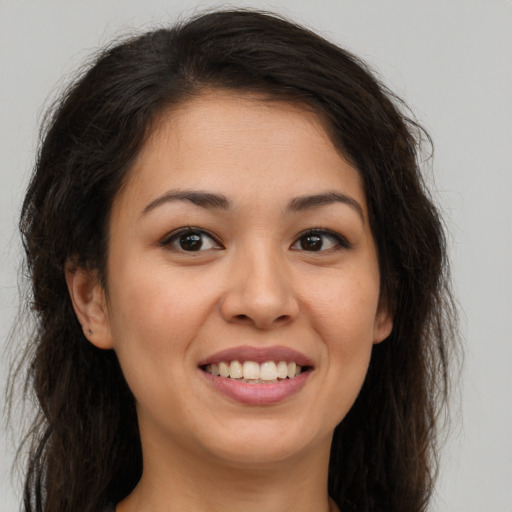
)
(84, 447)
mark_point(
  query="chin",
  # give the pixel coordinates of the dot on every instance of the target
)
(260, 444)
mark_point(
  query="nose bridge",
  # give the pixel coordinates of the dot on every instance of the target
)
(260, 289)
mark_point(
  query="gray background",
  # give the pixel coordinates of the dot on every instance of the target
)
(451, 60)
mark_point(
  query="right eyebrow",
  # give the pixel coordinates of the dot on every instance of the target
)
(200, 198)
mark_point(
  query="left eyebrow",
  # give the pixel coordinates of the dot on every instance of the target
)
(302, 203)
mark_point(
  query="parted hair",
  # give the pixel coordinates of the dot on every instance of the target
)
(83, 448)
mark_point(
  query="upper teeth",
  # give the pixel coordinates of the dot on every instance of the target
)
(251, 370)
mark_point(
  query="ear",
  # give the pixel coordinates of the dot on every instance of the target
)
(383, 323)
(89, 303)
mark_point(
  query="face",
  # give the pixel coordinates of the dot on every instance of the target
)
(241, 244)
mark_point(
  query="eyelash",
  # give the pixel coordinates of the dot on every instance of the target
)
(340, 242)
(175, 235)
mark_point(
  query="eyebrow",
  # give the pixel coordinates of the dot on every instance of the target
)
(203, 199)
(308, 202)
(209, 200)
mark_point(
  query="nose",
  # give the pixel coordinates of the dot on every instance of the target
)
(259, 292)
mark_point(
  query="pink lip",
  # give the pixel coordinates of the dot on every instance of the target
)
(257, 394)
(258, 355)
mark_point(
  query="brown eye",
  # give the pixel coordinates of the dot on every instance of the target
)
(190, 240)
(311, 242)
(320, 240)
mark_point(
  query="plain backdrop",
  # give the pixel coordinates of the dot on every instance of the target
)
(450, 60)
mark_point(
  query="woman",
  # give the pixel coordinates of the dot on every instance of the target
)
(239, 280)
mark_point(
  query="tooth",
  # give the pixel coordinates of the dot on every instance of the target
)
(254, 373)
(282, 370)
(223, 369)
(251, 370)
(235, 370)
(268, 371)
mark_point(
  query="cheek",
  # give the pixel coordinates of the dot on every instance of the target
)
(153, 321)
(344, 308)
(344, 313)
(156, 299)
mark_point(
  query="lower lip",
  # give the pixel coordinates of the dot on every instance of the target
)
(257, 394)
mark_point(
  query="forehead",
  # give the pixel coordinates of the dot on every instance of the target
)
(240, 145)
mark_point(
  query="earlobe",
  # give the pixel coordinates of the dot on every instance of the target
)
(383, 325)
(88, 298)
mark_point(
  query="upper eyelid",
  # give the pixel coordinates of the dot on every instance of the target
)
(320, 231)
(188, 229)
(342, 240)
(314, 230)
(324, 231)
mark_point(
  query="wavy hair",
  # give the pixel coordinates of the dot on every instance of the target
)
(83, 447)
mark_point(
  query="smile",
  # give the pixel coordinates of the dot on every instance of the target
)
(254, 373)
(257, 375)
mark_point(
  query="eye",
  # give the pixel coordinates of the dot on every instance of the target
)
(190, 240)
(315, 240)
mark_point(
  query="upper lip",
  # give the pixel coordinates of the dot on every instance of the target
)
(258, 354)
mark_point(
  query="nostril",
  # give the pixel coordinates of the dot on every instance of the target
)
(244, 318)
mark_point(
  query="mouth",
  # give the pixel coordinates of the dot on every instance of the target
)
(252, 372)
(257, 375)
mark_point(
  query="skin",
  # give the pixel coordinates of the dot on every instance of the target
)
(254, 284)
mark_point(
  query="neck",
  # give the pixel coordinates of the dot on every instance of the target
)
(177, 480)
